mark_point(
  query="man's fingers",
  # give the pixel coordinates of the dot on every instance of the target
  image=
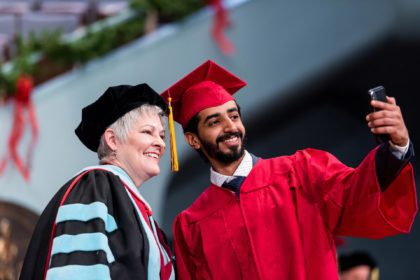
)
(379, 105)
(384, 122)
(384, 114)
(391, 100)
(383, 130)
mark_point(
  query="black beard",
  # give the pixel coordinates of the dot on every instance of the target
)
(212, 150)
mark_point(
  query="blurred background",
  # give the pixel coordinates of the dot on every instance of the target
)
(308, 64)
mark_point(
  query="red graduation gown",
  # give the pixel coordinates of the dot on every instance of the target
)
(289, 210)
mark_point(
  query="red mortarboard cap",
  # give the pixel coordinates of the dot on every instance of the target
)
(209, 85)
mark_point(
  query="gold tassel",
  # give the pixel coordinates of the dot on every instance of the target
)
(174, 154)
(375, 274)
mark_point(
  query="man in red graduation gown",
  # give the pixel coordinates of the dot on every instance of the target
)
(276, 218)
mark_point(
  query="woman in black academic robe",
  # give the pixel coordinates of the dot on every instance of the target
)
(98, 226)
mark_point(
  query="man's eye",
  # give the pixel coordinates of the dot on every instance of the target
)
(213, 123)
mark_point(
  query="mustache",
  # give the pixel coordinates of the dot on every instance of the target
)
(228, 135)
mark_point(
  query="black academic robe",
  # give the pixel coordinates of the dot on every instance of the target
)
(98, 233)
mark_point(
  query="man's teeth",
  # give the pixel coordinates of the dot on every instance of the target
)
(152, 155)
(232, 139)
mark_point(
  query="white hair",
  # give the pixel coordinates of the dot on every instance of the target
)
(124, 124)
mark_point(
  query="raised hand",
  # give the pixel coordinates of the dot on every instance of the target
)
(388, 119)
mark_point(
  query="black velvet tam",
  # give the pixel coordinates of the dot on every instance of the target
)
(355, 259)
(110, 106)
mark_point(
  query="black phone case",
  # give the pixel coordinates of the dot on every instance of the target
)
(379, 94)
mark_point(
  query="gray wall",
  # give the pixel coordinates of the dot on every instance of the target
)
(286, 51)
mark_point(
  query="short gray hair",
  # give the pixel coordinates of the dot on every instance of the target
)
(124, 124)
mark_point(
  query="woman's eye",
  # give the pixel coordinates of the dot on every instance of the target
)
(147, 132)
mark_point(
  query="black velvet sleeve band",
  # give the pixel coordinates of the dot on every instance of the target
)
(388, 167)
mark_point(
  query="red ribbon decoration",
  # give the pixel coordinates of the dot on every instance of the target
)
(221, 21)
(23, 102)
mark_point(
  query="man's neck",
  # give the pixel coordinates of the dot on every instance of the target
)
(226, 169)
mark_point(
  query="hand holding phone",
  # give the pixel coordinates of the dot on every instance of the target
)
(379, 94)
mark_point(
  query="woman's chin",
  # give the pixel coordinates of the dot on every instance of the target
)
(154, 172)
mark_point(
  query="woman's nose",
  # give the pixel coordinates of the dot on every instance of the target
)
(160, 142)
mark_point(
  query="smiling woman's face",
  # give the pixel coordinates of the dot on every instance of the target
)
(140, 152)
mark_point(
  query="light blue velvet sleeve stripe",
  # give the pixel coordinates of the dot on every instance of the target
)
(79, 272)
(82, 242)
(86, 212)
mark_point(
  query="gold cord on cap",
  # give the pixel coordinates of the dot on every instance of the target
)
(174, 154)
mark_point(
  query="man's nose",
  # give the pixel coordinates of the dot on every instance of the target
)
(229, 125)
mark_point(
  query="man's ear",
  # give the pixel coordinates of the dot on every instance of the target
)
(192, 140)
(110, 139)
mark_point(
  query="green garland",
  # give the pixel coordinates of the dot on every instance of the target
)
(168, 10)
(58, 55)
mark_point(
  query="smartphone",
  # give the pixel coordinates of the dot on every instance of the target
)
(378, 93)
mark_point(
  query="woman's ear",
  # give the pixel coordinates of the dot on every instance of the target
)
(192, 140)
(110, 139)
